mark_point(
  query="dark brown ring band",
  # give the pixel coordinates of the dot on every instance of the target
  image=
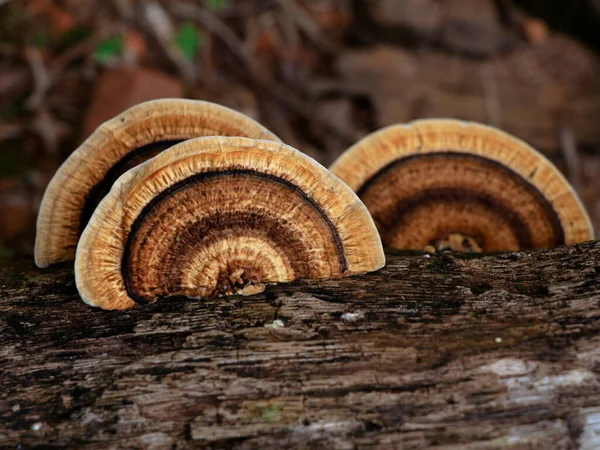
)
(198, 178)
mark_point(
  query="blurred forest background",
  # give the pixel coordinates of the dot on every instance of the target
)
(319, 73)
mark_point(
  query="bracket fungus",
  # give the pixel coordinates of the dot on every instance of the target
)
(222, 215)
(134, 136)
(461, 186)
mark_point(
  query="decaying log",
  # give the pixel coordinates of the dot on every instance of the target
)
(443, 351)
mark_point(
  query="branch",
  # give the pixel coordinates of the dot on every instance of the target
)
(463, 351)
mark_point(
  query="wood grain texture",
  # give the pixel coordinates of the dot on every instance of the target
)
(445, 351)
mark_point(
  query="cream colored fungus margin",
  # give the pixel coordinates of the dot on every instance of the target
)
(368, 156)
(100, 250)
(58, 220)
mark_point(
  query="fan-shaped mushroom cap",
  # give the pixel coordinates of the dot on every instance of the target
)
(220, 215)
(134, 136)
(443, 182)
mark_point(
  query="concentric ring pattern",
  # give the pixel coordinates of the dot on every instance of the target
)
(432, 180)
(119, 144)
(215, 215)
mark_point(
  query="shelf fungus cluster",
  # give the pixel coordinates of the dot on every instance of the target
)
(154, 211)
(119, 144)
(221, 215)
(181, 197)
(461, 186)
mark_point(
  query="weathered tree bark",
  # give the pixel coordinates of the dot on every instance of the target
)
(445, 351)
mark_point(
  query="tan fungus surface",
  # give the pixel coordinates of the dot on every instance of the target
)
(215, 215)
(117, 145)
(430, 181)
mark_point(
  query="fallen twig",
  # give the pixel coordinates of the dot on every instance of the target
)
(158, 23)
(310, 27)
(213, 23)
(41, 78)
(279, 91)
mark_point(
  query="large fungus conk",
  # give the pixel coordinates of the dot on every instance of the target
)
(222, 215)
(462, 186)
(132, 137)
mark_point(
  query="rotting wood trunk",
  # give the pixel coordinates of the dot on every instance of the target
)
(445, 351)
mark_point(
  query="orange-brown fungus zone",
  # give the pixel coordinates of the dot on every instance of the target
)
(222, 215)
(131, 138)
(445, 184)
(440, 197)
(198, 238)
(132, 159)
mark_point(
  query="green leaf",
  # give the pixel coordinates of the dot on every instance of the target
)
(188, 40)
(217, 5)
(40, 39)
(73, 37)
(109, 49)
